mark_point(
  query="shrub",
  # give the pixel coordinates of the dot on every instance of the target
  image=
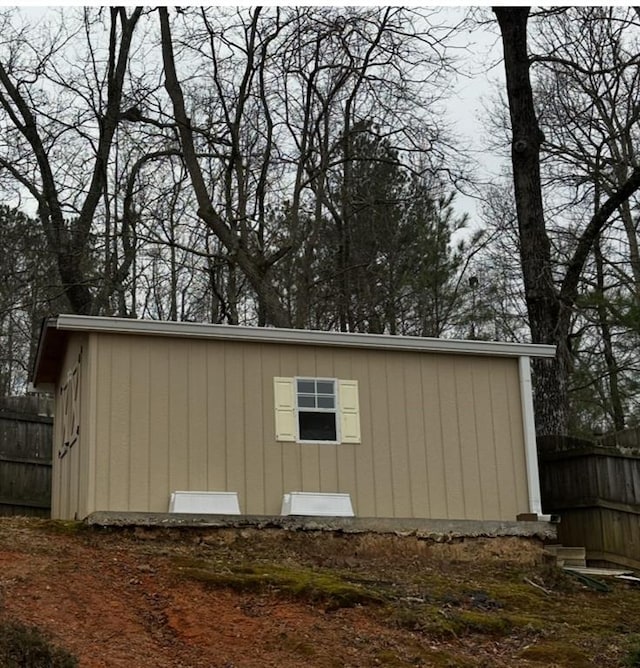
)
(27, 647)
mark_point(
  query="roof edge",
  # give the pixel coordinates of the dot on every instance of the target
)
(112, 325)
(47, 324)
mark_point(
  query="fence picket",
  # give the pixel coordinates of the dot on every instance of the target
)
(596, 491)
(26, 431)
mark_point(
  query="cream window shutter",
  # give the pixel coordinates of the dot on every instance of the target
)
(285, 407)
(349, 411)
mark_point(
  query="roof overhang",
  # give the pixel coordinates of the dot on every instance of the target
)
(49, 356)
(56, 330)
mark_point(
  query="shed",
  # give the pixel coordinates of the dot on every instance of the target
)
(409, 427)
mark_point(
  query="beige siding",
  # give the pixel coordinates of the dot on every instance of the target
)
(215, 406)
(70, 471)
(441, 435)
(119, 419)
(416, 442)
(157, 414)
(197, 419)
(140, 430)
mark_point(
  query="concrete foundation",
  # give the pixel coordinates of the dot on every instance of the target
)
(438, 530)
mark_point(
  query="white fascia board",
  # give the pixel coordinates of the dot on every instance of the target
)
(109, 325)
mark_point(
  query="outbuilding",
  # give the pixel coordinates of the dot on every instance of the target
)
(408, 427)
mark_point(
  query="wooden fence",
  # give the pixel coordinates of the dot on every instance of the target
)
(26, 430)
(627, 438)
(595, 490)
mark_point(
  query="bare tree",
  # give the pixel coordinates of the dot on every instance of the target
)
(252, 260)
(28, 291)
(288, 90)
(549, 306)
(35, 87)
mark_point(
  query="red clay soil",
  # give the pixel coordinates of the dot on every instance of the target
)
(116, 598)
(109, 607)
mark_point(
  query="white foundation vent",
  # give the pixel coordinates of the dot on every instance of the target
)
(317, 503)
(215, 503)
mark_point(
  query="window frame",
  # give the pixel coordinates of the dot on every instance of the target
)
(335, 410)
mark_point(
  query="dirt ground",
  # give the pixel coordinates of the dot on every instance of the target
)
(254, 599)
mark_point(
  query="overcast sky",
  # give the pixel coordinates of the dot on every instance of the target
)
(480, 75)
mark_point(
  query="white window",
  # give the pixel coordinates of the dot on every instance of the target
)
(316, 404)
(317, 410)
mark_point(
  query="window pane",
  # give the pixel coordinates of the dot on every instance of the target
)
(326, 402)
(325, 387)
(306, 401)
(317, 426)
(307, 386)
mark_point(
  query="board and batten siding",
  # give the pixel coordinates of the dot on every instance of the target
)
(70, 469)
(441, 434)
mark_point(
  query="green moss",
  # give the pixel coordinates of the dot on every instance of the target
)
(487, 623)
(386, 657)
(528, 622)
(632, 658)
(554, 653)
(428, 620)
(294, 644)
(438, 622)
(443, 659)
(311, 585)
(404, 617)
(67, 527)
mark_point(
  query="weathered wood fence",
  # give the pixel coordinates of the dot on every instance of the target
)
(628, 438)
(596, 491)
(26, 429)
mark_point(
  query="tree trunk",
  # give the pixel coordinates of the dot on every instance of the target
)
(615, 408)
(70, 241)
(549, 309)
(255, 267)
(550, 395)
